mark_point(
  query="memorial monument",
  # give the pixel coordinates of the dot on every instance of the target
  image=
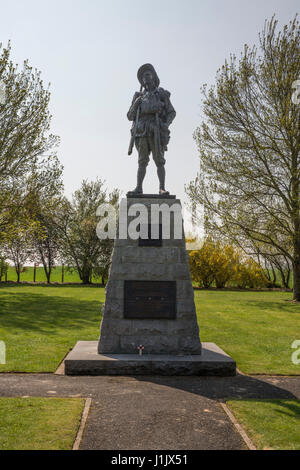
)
(149, 323)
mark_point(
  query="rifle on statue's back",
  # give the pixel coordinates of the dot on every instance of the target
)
(131, 143)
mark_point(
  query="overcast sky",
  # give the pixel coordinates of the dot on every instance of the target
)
(90, 51)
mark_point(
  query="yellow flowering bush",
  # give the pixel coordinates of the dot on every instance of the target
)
(222, 264)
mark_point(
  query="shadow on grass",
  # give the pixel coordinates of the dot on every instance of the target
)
(37, 312)
(280, 306)
(282, 406)
(289, 409)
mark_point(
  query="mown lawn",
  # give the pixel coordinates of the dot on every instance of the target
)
(39, 324)
(39, 423)
(256, 328)
(271, 424)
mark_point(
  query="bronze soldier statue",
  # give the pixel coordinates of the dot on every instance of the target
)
(152, 113)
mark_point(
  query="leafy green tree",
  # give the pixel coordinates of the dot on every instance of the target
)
(249, 143)
(47, 239)
(80, 246)
(18, 243)
(43, 201)
(3, 267)
(26, 145)
(275, 264)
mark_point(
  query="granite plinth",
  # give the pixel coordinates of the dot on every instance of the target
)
(84, 360)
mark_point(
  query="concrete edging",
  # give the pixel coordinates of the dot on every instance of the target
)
(238, 427)
(83, 421)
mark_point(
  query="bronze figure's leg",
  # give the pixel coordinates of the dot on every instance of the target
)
(160, 165)
(143, 149)
(140, 177)
(161, 173)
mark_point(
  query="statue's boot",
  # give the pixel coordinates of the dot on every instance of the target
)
(135, 191)
(161, 173)
(140, 178)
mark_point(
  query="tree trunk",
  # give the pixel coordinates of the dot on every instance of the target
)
(48, 274)
(267, 271)
(274, 275)
(296, 275)
(284, 275)
(288, 277)
(86, 276)
(296, 219)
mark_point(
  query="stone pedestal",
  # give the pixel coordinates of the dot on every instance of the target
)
(149, 302)
(149, 295)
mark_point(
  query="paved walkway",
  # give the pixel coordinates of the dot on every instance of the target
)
(154, 412)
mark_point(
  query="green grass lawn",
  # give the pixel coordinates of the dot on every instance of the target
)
(271, 424)
(255, 328)
(39, 324)
(39, 423)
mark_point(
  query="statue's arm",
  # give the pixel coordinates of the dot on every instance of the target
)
(171, 115)
(131, 115)
(170, 111)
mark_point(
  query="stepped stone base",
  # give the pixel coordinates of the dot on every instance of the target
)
(84, 360)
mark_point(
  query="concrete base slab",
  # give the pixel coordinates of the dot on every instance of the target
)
(85, 360)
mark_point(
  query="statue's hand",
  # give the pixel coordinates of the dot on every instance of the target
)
(138, 101)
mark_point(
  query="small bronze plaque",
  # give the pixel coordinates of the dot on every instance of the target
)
(150, 299)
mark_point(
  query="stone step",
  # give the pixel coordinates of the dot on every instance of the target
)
(85, 360)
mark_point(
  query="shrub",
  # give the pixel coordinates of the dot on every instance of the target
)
(248, 273)
(222, 264)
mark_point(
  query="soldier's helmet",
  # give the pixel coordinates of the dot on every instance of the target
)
(143, 69)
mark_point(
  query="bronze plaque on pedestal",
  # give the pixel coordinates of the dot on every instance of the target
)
(150, 300)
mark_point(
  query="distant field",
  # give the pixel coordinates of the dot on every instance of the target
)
(56, 275)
